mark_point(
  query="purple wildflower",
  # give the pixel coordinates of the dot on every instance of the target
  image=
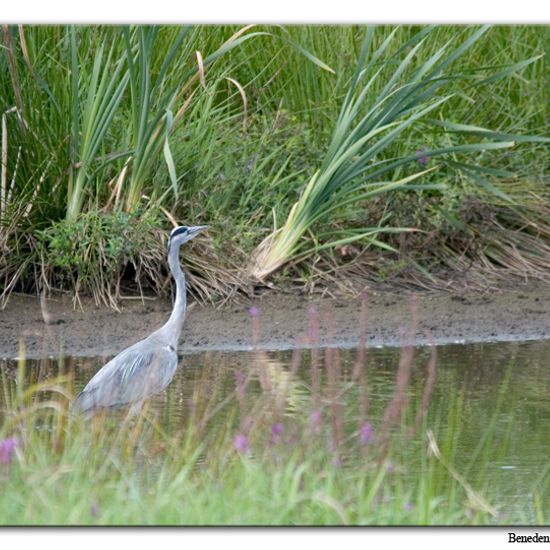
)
(423, 158)
(408, 506)
(337, 462)
(366, 433)
(276, 431)
(241, 443)
(315, 420)
(254, 311)
(7, 448)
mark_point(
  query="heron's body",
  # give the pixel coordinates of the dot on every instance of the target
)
(148, 366)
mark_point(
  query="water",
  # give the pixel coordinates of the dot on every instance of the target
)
(494, 397)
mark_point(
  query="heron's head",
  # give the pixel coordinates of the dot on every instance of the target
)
(182, 234)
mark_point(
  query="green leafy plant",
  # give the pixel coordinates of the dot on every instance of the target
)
(73, 251)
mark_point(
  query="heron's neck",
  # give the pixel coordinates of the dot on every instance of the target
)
(172, 328)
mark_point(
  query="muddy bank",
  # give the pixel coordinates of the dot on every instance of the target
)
(521, 313)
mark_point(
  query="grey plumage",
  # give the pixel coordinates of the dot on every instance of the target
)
(148, 366)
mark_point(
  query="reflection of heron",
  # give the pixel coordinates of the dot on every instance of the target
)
(148, 366)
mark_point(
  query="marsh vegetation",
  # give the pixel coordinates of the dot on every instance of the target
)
(395, 153)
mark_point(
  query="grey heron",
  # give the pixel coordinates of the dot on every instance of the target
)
(148, 366)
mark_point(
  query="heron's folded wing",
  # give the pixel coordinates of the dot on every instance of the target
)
(148, 373)
(131, 376)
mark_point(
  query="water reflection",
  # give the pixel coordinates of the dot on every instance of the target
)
(479, 370)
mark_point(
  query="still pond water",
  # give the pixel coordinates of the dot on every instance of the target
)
(495, 395)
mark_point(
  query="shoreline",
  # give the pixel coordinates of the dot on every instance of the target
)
(509, 314)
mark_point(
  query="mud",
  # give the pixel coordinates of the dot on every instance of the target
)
(519, 313)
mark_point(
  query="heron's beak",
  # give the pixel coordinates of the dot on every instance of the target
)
(193, 231)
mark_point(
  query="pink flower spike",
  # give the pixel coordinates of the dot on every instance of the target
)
(241, 443)
(276, 431)
(254, 311)
(7, 448)
(366, 433)
(312, 309)
(315, 419)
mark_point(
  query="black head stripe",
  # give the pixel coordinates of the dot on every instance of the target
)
(178, 231)
(175, 232)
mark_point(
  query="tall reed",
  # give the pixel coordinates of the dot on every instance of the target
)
(356, 163)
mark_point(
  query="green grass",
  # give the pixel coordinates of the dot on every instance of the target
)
(105, 119)
(75, 491)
